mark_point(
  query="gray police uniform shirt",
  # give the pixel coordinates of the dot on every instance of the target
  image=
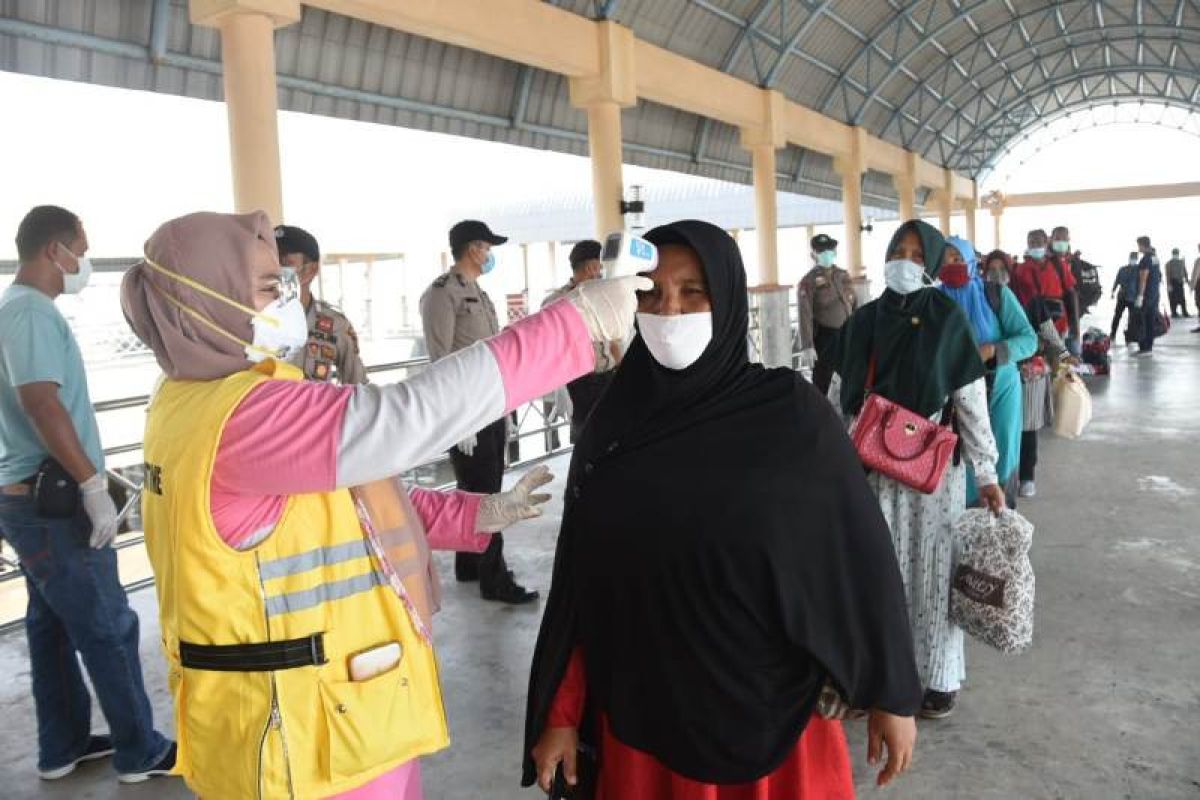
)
(456, 313)
(605, 362)
(331, 352)
(825, 297)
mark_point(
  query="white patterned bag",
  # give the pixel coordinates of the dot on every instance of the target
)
(991, 591)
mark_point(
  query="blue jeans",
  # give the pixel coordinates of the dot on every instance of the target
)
(76, 604)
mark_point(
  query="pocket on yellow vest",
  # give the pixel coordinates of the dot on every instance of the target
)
(379, 721)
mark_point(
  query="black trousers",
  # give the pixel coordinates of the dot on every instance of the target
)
(1178, 298)
(1029, 447)
(482, 472)
(585, 393)
(1122, 306)
(824, 341)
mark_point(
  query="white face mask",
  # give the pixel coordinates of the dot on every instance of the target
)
(280, 329)
(74, 282)
(903, 276)
(676, 341)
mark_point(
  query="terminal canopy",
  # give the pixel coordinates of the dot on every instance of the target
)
(955, 81)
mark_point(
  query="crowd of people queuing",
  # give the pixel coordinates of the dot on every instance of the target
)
(687, 649)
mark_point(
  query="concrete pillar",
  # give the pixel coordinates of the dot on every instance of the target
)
(851, 167)
(766, 221)
(603, 95)
(906, 192)
(969, 212)
(997, 226)
(604, 147)
(763, 141)
(944, 211)
(905, 182)
(944, 200)
(852, 216)
(248, 55)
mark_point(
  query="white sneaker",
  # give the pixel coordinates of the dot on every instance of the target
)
(1027, 489)
(98, 747)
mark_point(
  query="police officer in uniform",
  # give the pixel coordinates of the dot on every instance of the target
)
(583, 393)
(456, 313)
(332, 349)
(826, 300)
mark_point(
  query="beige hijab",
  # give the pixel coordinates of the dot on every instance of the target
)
(194, 336)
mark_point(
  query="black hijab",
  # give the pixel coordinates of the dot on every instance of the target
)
(922, 342)
(720, 555)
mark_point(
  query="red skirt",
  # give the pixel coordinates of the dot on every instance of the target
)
(817, 769)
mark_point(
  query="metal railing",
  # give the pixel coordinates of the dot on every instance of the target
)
(554, 435)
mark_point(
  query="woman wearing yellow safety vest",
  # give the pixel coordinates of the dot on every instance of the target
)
(292, 567)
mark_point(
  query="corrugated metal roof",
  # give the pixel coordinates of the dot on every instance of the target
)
(953, 81)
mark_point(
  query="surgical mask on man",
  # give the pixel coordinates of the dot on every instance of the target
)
(75, 282)
(1061, 247)
(1036, 253)
(280, 329)
(903, 276)
(827, 258)
(676, 341)
(488, 264)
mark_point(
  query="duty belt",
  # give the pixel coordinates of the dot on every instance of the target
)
(308, 651)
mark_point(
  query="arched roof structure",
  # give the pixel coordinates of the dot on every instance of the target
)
(955, 81)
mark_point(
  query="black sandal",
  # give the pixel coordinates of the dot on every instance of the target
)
(938, 705)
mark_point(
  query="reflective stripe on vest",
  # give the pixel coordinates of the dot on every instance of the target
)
(323, 593)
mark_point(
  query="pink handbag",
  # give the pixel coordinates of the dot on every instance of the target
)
(901, 444)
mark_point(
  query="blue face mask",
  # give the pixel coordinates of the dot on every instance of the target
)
(489, 264)
(827, 258)
(1036, 253)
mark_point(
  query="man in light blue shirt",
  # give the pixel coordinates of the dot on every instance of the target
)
(76, 602)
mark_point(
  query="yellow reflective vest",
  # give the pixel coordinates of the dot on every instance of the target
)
(304, 732)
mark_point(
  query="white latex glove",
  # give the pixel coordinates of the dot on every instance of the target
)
(100, 510)
(467, 445)
(1138, 302)
(808, 357)
(498, 511)
(608, 306)
(561, 406)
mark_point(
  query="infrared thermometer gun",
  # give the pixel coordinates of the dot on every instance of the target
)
(625, 254)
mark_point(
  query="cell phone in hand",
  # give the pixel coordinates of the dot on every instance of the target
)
(559, 788)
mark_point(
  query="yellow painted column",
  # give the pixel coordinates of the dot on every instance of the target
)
(766, 213)
(945, 201)
(604, 147)
(969, 211)
(851, 167)
(906, 192)
(852, 215)
(763, 141)
(906, 187)
(248, 56)
(602, 95)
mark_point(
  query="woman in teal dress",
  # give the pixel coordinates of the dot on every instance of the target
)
(1005, 338)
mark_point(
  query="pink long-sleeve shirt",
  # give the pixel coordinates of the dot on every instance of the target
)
(288, 437)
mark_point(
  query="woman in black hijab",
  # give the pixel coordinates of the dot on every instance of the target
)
(721, 560)
(926, 359)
